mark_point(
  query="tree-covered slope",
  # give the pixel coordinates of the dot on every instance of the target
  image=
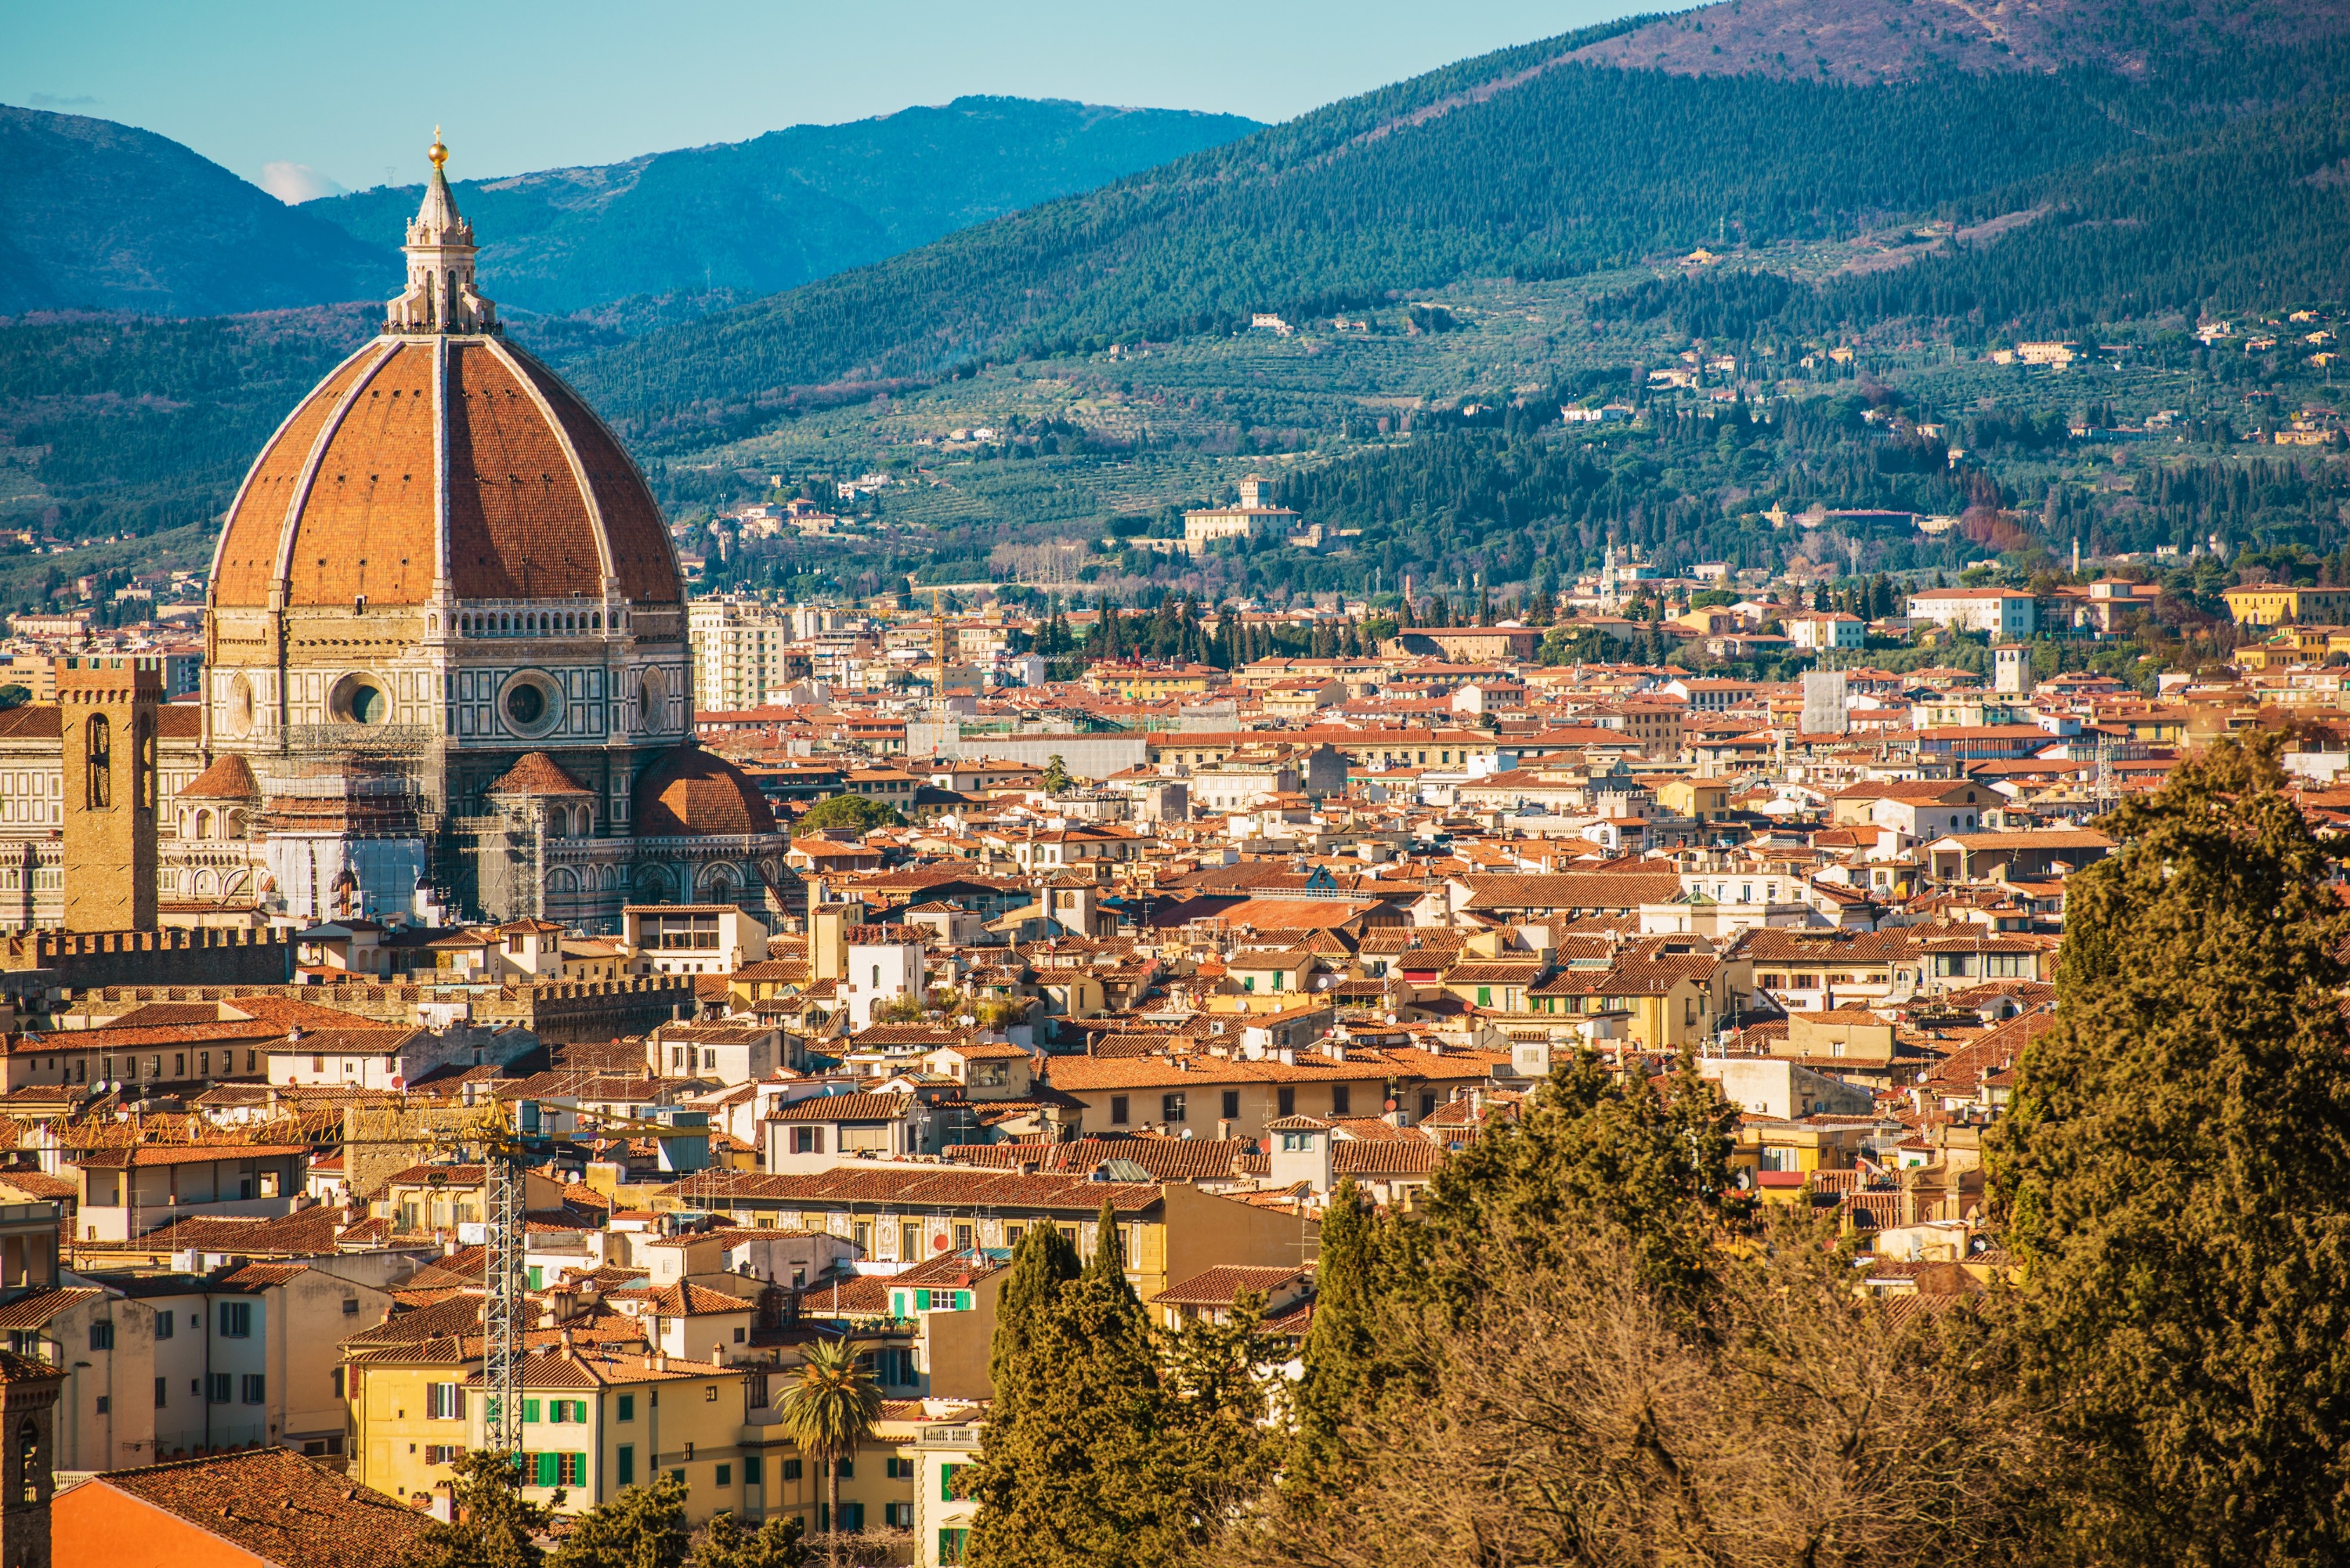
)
(1520, 162)
(2253, 216)
(100, 216)
(140, 424)
(785, 208)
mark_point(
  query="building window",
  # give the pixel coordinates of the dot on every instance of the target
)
(255, 1389)
(221, 1387)
(1287, 1098)
(163, 1392)
(625, 1464)
(164, 1323)
(98, 753)
(807, 1140)
(787, 1470)
(101, 1336)
(236, 1320)
(1170, 1107)
(1232, 1104)
(1118, 1115)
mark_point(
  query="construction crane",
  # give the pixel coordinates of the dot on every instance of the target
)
(507, 1151)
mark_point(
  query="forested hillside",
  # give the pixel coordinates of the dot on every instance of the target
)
(770, 213)
(1512, 164)
(2252, 215)
(100, 216)
(202, 396)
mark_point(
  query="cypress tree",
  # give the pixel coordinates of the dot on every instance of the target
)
(1069, 1474)
(2176, 1169)
(1041, 1265)
(1343, 1370)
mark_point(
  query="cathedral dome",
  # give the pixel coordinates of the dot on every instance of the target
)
(441, 454)
(690, 793)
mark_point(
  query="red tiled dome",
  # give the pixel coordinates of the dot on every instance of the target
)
(344, 501)
(691, 792)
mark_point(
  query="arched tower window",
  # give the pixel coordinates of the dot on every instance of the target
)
(28, 1460)
(98, 740)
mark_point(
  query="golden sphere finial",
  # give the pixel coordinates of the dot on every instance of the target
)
(439, 154)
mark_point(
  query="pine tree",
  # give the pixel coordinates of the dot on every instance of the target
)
(1647, 1160)
(728, 1543)
(2177, 1168)
(492, 1524)
(643, 1527)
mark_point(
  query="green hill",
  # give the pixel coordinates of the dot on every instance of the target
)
(100, 216)
(1517, 163)
(782, 209)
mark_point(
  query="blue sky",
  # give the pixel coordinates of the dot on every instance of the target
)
(352, 91)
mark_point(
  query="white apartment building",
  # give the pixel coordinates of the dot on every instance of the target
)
(738, 651)
(2003, 612)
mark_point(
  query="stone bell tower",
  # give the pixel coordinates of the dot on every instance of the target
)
(109, 710)
(28, 1413)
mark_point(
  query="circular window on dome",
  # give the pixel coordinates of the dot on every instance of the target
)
(652, 696)
(360, 699)
(238, 716)
(530, 704)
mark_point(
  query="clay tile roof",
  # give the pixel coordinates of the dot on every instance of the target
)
(1384, 1156)
(277, 1506)
(692, 793)
(686, 1299)
(857, 1107)
(536, 774)
(1221, 1285)
(36, 1307)
(231, 778)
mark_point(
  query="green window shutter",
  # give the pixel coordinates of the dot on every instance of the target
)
(897, 1303)
(962, 1301)
(1484, 996)
(549, 1468)
(627, 1464)
(530, 1409)
(921, 1300)
(946, 1482)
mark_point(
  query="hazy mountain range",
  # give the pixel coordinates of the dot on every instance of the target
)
(2011, 168)
(102, 216)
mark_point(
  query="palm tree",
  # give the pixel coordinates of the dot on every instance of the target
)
(829, 1411)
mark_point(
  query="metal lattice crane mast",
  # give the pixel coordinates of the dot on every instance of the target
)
(507, 1151)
